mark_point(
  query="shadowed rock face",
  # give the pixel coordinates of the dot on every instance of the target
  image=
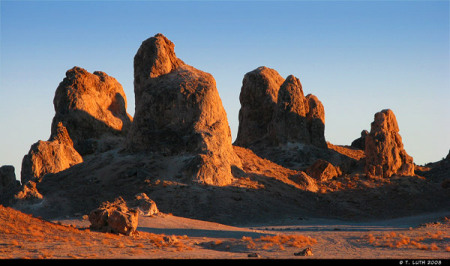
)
(90, 106)
(360, 143)
(385, 155)
(179, 111)
(275, 111)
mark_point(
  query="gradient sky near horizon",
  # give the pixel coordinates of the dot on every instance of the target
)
(357, 57)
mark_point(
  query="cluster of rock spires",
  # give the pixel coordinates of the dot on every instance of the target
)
(275, 111)
(179, 114)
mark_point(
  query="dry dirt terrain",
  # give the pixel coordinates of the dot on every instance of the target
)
(165, 236)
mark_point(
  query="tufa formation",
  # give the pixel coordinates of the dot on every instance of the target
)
(385, 155)
(91, 107)
(90, 116)
(179, 113)
(51, 156)
(275, 111)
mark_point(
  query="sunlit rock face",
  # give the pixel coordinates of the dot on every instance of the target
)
(275, 111)
(90, 106)
(51, 156)
(90, 114)
(179, 111)
(385, 155)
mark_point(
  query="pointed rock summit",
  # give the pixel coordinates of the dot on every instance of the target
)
(385, 155)
(275, 111)
(179, 111)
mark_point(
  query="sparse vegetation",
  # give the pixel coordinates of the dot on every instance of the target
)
(278, 241)
(427, 241)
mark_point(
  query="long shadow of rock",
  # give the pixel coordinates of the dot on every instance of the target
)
(203, 232)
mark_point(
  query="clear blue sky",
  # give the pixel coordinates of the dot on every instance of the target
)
(357, 57)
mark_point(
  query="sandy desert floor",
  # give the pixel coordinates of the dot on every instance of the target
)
(165, 236)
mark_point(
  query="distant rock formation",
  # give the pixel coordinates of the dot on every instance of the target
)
(90, 106)
(8, 183)
(51, 156)
(179, 111)
(385, 155)
(275, 111)
(360, 143)
(8, 177)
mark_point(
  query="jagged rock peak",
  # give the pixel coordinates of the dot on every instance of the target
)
(385, 155)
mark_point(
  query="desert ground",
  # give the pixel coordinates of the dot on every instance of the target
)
(165, 236)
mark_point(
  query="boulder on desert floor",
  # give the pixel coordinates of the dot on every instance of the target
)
(385, 155)
(50, 156)
(114, 217)
(275, 111)
(90, 106)
(145, 205)
(179, 112)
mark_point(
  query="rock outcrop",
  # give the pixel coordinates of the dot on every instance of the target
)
(51, 156)
(90, 106)
(145, 205)
(360, 143)
(385, 155)
(90, 113)
(179, 112)
(114, 217)
(8, 177)
(28, 194)
(322, 170)
(275, 111)
(8, 183)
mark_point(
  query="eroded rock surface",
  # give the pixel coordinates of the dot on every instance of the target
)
(179, 111)
(90, 106)
(50, 156)
(114, 217)
(385, 155)
(275, 111)
(322, 170)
